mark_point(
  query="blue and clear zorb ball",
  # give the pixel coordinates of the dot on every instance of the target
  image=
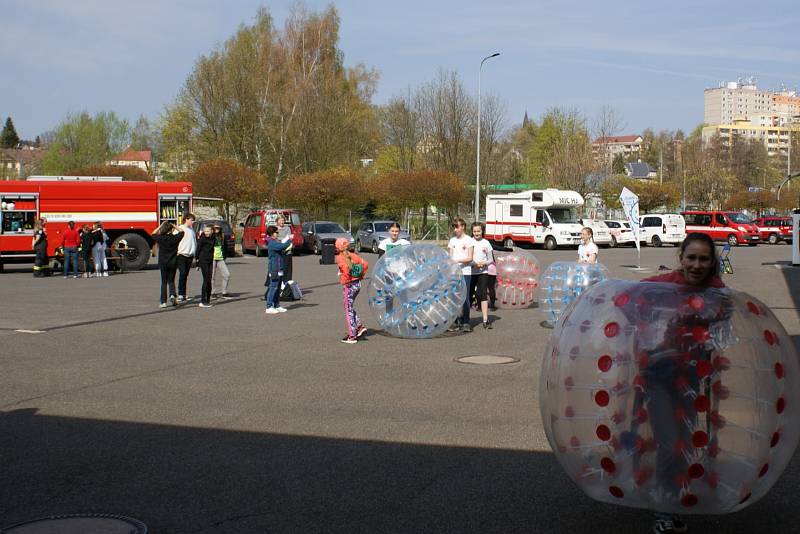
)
(416, 291)
(563, 282)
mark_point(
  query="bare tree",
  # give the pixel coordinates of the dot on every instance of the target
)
(607, 123)
(402, 129)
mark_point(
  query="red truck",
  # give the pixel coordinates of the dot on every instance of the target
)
(129, 211)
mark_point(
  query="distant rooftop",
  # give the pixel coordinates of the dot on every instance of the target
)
(617, 139)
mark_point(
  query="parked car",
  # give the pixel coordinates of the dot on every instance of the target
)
(316, 233)
(733, 227)
(659, 228)
(227, 231)
(774, 229)
(621, 233)
(370, 234)
(254, 229)
(600, 233)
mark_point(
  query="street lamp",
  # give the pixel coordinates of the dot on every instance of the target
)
(478, 164)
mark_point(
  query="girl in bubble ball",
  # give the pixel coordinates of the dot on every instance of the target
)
(352, 269)
(660, 394)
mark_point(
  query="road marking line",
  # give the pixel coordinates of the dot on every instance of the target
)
(21, 331)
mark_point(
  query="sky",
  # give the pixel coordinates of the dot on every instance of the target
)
(649, 61)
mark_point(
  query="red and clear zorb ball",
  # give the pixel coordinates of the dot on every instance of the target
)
(517, 279)
(676, 400)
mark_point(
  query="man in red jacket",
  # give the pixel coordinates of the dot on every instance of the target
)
(70, 241)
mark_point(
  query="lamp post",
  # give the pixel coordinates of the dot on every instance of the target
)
(478, 163)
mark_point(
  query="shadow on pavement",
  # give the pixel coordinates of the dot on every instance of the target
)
(200, 480)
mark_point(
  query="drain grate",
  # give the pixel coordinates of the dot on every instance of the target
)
(487, 359)
(79, 524)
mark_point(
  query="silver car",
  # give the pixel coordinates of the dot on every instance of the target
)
(315, 233)
(370, 234)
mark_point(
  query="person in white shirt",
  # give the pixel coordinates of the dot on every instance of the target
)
(587, 250)
(186, 251)
(392, 241)
(461, 247)
(482, 257)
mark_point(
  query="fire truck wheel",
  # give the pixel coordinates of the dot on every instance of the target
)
(135, 249)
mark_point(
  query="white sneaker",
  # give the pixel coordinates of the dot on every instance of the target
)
(105, 273)
(281, 309)
(203, 305)
(271, 311)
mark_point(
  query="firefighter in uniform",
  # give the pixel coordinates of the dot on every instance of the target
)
(41, 266)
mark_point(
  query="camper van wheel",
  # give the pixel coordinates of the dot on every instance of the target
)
(508, 243)
(656, 241)
(135, 249)
(550, 243)
(732, 241)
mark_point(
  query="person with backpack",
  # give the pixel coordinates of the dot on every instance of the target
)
(277, 251)
(352, 269)
(167, 236)
(87, 243)
(100, 239)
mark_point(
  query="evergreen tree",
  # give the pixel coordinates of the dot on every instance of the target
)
(9, 137)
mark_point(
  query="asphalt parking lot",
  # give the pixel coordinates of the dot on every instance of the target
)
(227, 420)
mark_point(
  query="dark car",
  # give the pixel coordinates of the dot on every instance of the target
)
(316, 233)
(227, 231)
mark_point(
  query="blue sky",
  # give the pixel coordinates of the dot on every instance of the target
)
(651, 61)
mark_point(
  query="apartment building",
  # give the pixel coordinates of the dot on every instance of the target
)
(610, 147)
(741, 108)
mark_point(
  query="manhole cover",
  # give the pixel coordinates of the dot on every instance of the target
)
(79, 524)
(487, 359)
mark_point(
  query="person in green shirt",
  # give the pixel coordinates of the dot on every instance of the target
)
(220, 267)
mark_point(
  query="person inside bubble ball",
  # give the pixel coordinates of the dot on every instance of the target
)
(674, 369)
(587, 250)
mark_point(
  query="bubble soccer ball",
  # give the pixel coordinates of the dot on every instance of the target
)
(565, 281)
(517, 279)
(662, 397)
(416, 291)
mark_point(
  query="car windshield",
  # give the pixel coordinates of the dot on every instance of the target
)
(330, 228)
(739, 218)
(382, 226)
(563, 215)
(295, 218)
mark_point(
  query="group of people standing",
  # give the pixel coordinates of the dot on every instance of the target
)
(179, 249)
(475, 255)
(90, 241)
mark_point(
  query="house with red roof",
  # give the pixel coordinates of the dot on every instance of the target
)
(629, 146)
(133, 158)
(19, 163)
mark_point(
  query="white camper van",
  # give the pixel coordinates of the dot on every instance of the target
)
(541, 216)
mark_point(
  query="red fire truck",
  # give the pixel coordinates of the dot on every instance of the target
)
(129, 211)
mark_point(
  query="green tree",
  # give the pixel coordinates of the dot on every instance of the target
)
(9, 137)
(618, 165)
(83, 141)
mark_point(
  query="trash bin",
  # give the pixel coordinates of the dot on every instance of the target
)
(328, 254)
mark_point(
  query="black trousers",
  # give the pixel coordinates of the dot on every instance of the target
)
(207, 270)
(184, 266)
(287, 271)
(167, 281)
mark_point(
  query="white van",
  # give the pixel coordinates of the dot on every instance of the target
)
(539, 216)
(601, 235)
(659, 228)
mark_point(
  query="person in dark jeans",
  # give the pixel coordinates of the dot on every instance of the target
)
(167, 236)
(205, 262)
(87, 242)
(70, 241)
(186, 252)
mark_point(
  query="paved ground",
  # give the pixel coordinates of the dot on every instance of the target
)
(225, 420)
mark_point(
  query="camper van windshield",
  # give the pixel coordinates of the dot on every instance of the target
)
(563, 215)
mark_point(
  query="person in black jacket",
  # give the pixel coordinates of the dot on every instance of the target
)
(41, 267)
(167, 236)
(205, 262)
(87, 242)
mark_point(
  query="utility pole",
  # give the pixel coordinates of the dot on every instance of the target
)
(660, 166)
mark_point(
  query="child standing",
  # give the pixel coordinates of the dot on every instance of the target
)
(461, 248)
(392, 241)
(99, 250)
(352, 269)
(276, 269)
(482, 257)
(220, 255)
(204, 257)
(87, 242)
(587, 250)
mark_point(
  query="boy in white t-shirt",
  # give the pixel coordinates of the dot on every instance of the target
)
(587, 250)
(482, 257)
(461, 247)
(392, 241)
